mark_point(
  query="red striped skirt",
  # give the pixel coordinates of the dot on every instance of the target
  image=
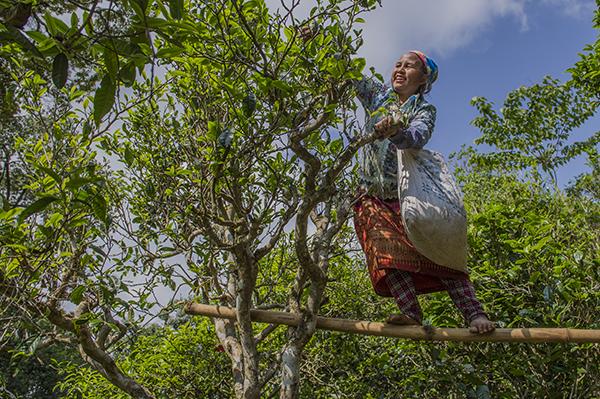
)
(381, 234)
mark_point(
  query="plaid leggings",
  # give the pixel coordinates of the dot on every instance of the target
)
(460, 290)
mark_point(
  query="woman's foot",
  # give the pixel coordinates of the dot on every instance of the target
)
(481, 325)
(402, 320)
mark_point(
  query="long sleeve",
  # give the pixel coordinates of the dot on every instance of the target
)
(368, 91)
(419, 130)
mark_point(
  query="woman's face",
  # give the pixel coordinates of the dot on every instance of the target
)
(408, 75)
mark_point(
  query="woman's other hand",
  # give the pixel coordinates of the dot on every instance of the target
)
(387, 127)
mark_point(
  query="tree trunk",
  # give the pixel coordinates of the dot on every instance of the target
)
(226, 333)
(238, 338)
(246, 283)
(290, 372)
(291, 356)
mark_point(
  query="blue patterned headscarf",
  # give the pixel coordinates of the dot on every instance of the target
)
(431, 68)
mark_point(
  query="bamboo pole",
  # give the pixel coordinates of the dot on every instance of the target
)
(528, 335)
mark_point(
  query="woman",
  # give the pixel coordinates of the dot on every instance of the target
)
(395, 267)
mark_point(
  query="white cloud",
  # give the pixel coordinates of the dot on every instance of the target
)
(434, 26)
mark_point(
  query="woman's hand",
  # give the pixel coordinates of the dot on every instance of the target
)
(387, 127)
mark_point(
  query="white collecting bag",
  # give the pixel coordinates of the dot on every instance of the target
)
(432, 208)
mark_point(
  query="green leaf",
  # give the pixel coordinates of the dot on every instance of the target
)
(36, 207)
(127, 74)
(98, 250)
(281, 85)
(111, 62)
(60, 70)
(213, 130)
(139, 6)
(156, 23)
(176, 8)
(11, 269)
(87, 129)
(104, 98)
(55, 25)
(129, 157)
(359, 64)
(13, 34)
(336, 146)
(249, 104)
(77, 294)
(100, 208)
(541, 243)
(51, 173)
(169, 52)
(74, 19)
(84, 318)
(88, 24)
(54, 219)
(39, 37)
(34, 345)
(75, 182)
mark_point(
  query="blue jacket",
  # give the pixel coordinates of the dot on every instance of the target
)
(378, 160)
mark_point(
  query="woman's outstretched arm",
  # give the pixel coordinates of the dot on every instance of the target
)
(368, 91)
(419, 130)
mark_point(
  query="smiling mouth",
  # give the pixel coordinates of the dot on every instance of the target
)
(399, 79)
